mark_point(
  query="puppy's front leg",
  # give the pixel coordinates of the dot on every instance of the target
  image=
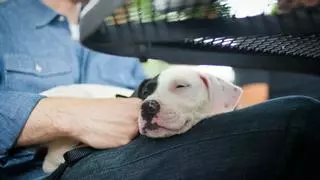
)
(56, 150)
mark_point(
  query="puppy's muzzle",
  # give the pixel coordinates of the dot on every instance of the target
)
(149, 109)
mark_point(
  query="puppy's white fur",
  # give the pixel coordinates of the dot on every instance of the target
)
(181, 108)
(199, 95)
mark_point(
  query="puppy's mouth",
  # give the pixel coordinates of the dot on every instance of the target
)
(154, 126)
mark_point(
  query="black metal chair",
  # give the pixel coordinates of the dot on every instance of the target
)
(195, 33)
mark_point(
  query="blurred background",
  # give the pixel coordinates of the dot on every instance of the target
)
(258, 85)
(235, 8)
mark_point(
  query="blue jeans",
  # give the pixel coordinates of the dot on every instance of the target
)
(278, 139)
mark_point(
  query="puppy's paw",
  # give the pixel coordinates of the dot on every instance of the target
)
(50, 166)
(56, 150)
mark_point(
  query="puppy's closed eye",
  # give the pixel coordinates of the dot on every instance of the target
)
(180, 86)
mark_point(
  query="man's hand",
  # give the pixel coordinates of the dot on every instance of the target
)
(100, 123)
(105, 123)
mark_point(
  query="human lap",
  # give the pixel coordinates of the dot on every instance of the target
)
(273, 140)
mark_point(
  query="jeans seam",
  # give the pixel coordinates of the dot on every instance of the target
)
(287, 130)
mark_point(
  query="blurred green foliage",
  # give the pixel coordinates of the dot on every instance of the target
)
(142, 10)
(275, 10)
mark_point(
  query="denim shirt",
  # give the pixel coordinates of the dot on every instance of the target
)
(37, 53)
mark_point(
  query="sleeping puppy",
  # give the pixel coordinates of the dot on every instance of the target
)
(173, 102)
(179, 98)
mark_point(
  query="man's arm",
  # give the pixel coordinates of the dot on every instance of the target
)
(100, 123)
(45, 123)
(29, 119)
(15, 109)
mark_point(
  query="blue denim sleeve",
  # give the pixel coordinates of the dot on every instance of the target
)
(15, 108)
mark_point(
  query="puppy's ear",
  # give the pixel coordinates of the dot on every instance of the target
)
(138, 92)
(146, 88)
(224, 96)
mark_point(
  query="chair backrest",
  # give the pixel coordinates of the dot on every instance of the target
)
(203, 33)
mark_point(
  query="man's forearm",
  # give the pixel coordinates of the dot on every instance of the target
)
(47, 122)
(96, 122)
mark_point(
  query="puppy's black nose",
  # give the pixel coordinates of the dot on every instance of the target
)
(149, 109)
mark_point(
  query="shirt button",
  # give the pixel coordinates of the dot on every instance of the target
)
(38, 68)
(61, 18)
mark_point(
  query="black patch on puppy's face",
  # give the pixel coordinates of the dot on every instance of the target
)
(146, 88)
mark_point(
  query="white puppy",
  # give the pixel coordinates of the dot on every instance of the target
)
(180, 97)
(173, 102)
